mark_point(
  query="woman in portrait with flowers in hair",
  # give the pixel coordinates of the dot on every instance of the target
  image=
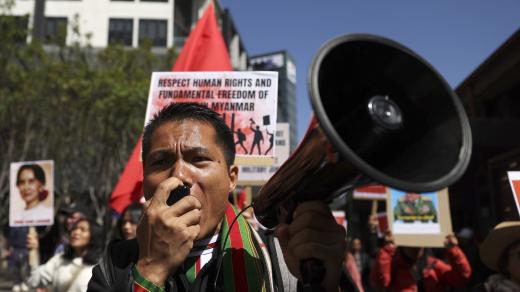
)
(30, 181)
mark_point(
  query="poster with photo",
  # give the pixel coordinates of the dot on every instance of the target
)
(418, 218)
(31, 193)
(415, 213)
(246, 100)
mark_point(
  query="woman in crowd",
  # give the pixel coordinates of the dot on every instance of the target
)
(72, 269)
(129, 220)
(500, 251)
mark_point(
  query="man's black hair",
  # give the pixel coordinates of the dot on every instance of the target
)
(39, 174)
(196, 112)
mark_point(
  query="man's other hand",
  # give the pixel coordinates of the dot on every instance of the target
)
(313, 233)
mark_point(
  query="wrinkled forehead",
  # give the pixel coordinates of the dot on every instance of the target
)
(188, 132)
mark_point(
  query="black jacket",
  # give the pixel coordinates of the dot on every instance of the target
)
(114, 271)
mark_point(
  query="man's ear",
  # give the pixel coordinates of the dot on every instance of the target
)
(233, 177)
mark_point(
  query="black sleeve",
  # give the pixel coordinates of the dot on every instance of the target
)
(99, 283)
(113, 271)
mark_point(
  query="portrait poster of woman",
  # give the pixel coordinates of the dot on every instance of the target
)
(31, 193)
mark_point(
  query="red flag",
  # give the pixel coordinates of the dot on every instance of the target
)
(129, 188)
(204, 50)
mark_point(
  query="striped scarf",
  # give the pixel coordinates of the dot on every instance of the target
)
(246, 265)
(199, 256)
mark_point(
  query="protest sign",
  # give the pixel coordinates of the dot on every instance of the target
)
(247, 101)
(514, 180)
(419, 219)
(252, 175)
(31, 193)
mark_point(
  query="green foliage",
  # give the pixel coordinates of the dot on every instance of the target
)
(79, 106)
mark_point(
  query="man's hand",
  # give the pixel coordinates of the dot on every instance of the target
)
(313, 233)
(165, 234)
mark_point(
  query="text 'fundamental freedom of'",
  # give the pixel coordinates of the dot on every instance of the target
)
(212, 94)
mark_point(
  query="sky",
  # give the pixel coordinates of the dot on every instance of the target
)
(455, 36)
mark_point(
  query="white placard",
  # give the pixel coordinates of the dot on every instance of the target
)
(247, 101)
(31, 193)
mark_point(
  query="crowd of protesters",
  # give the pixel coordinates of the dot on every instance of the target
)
(375, 265)
(381, 265)
(63, 258)
(192, 244)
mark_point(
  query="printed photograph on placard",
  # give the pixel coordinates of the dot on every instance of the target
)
(31, 193)
(415, 213)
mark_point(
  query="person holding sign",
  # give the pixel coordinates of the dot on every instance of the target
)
(408, 268)
(30, 181)
(198, 241)
(71, 270)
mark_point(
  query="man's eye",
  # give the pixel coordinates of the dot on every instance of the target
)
(200, 158)
(159, 162)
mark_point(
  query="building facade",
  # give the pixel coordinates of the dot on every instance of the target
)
(163, 23)
(491, 97)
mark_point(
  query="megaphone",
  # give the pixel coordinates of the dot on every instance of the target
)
(383, 115)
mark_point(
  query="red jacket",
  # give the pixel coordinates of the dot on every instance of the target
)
(436, 275)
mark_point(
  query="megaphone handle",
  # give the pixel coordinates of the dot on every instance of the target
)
(313, 272)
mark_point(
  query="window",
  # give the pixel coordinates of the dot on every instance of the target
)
(182, 22)
(120, 31)
(55, 30)
(153, 30)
